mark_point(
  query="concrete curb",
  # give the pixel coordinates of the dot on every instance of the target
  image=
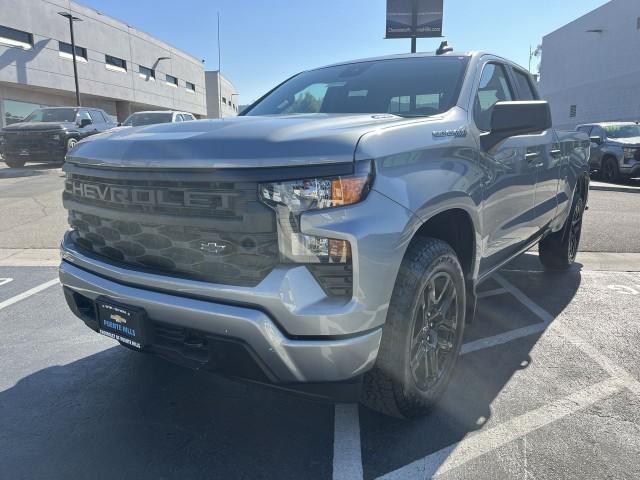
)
(29, 257)
(607, 187)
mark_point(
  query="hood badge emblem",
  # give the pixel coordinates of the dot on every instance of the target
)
(454, 132)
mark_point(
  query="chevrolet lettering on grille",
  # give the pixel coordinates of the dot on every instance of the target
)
(170, 197)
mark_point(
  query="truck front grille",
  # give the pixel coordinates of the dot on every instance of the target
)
(210, 231)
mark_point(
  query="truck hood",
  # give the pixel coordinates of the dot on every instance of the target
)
(625, 142)
(237, 142)
(39, 126)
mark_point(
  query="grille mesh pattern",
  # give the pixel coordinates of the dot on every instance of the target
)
(219, 257)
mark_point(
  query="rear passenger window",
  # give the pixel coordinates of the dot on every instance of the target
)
(94, 116)
(524, 86)
(178, 118)
(494, 87)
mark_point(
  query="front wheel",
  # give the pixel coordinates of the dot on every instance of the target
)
(610, 172)
(71, 143)
(14, 163)
(558, 251)
(423, 333)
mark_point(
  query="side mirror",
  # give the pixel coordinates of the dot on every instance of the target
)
(510, 119)
(597, 139)
(85, 122)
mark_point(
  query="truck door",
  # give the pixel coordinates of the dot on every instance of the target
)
(510, 176)
(542, 152)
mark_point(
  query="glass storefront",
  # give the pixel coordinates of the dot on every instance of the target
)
(15, 111)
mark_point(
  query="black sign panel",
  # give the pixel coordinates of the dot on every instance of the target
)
(414, 18)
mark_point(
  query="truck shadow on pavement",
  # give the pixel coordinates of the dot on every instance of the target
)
(119, 414)
(469, 404)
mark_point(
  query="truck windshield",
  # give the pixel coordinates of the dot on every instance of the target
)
(623, 131)
(52, 115)
(416, 86)
(148, 118)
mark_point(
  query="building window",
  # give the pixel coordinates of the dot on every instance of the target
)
(638, 23)
(173, 81)
(147, 73)
(16, 38)
(573, 110)
(191, 87)
(224, 100)
(65, 51)
(115, 63)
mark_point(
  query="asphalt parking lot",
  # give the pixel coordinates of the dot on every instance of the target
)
(548, 383)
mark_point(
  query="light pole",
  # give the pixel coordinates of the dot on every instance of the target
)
(72, 19)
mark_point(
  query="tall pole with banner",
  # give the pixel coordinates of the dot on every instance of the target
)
(414, 19)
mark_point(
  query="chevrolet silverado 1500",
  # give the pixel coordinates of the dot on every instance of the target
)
(334, 234)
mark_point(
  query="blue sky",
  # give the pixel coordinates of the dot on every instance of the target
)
(266, 41)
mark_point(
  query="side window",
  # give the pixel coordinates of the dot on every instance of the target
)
(494, 87)
(96, 116)
(525, 90)
(599, 132)
(178, 117)
(84, 114)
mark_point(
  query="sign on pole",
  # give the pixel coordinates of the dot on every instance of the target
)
(414, 18)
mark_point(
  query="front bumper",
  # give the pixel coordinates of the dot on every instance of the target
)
(282, 360)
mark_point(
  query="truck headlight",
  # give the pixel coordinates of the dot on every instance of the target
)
(290, 199)
(629, 153)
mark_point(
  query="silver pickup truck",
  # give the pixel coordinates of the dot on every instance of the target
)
(331, 239)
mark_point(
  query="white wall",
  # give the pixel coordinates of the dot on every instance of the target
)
(597, 72)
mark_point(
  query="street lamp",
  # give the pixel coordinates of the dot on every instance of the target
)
(72, 19)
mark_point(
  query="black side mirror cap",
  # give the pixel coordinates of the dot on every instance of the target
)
(597, 139)
(85, 122)
(510, 119)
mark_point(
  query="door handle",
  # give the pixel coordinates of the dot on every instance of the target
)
(530, 157)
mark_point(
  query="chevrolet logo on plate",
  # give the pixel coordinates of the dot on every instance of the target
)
(118, 318)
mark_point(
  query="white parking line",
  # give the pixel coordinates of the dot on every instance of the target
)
(28, 293)
(488, 342)
(485, 441)
(4, 281)
(491, 293)
(347, 454)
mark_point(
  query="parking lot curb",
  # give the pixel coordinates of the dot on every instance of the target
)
(614, 188)
(29, 257)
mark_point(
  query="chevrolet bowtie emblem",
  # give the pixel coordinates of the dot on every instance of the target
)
(213, 247)
(118, 318)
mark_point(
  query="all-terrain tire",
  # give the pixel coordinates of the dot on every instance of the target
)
(390, 387)
(557, 252)
(14, 162)
(610, 171)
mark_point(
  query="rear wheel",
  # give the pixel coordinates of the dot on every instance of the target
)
(610, 171)
(558, 251)
(423, 333)
(14, 162)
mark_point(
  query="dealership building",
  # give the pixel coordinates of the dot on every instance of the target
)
(222, 97)
(590, 68)
(120, 69)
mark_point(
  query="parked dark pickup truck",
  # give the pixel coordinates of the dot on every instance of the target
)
(331, 236)
(49, 133)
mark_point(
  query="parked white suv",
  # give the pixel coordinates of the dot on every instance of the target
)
(139, 119)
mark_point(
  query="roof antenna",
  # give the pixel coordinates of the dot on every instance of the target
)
(444, 48)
